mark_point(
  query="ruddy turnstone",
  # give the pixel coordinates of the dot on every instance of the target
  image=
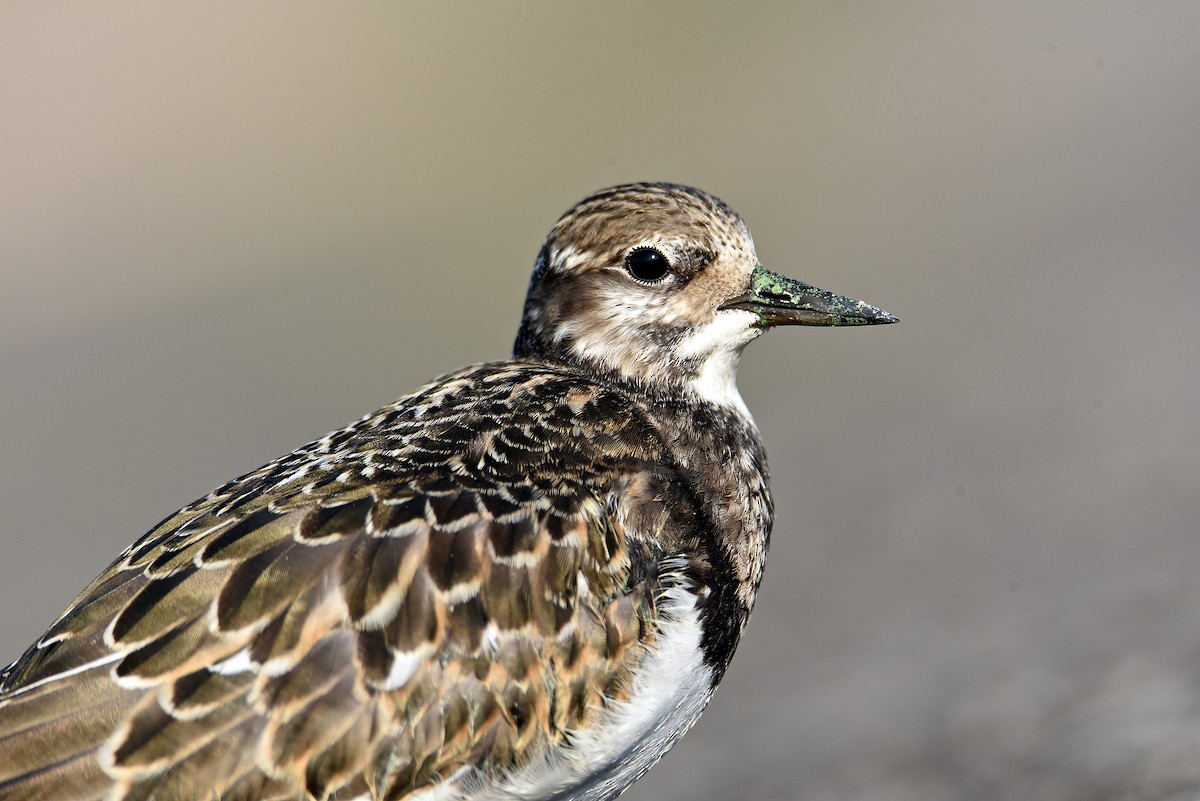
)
(523, 581)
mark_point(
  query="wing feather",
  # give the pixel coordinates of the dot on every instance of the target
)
(443, 590)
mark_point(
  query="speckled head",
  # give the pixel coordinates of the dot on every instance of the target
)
(658, 284)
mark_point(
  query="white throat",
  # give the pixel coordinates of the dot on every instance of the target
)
(719, 346)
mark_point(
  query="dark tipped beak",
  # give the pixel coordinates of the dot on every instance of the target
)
(779, 300)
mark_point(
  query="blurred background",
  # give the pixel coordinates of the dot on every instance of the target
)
(228, 228)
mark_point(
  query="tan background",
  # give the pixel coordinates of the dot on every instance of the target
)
(226, 228)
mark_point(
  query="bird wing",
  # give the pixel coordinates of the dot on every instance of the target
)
(453, 584)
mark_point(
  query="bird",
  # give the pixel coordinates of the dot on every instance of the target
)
(522, 581)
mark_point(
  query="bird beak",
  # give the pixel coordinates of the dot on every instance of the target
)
(779, 300)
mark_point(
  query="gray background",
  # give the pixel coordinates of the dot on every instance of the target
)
(228, 228)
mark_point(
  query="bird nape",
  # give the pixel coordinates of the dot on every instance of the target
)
(524, 580)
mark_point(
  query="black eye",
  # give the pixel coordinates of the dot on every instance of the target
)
(647, 264)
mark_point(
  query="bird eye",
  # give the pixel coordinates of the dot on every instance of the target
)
(647, 264)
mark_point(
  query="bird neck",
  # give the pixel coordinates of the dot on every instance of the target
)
(662, 370)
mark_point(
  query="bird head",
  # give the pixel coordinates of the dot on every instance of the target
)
(659, 285)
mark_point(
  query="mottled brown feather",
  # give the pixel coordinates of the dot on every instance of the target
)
(418, 625)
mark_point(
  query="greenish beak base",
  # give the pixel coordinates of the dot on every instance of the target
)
(779, 300)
